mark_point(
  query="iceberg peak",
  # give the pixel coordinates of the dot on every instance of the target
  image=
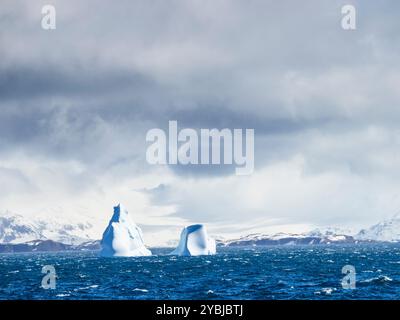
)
(120, 214)
(122, 237)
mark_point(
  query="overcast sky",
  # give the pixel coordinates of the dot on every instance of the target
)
(76, 104)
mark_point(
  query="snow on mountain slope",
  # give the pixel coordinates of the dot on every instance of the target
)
(74, 226)
(15, 228)
(46, 246)
(317, 236)
(388, 230)
(331, 231)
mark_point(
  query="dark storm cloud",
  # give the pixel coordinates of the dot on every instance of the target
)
(88, 92)
(261, 42)
(27, 83)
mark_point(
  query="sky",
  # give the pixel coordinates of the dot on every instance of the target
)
(76, 104)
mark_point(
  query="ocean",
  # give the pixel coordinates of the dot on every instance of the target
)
(285, 272)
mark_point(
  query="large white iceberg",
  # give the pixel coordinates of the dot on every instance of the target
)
(195, 242)
(122, 237)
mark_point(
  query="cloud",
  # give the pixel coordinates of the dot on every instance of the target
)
(76, 103)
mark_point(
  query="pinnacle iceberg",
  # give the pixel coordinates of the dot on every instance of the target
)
(195, 241)
(122, 237)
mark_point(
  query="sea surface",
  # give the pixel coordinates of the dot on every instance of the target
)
(309, 272)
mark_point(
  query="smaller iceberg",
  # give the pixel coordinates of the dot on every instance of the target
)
(122, 237)
(195, 242)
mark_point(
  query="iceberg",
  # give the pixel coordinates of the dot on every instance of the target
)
(195, 242)
(122, 237)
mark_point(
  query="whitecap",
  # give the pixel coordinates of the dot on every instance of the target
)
(328, 291)
(380, 279)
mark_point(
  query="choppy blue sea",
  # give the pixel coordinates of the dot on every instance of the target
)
(234, 273)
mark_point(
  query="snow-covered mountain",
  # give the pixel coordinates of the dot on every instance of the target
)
(46, 246)
(77, 229)
(334, 232)
(388, 230)
(313, 237)
(15, 228)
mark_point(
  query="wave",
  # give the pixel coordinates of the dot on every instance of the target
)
(380, 279)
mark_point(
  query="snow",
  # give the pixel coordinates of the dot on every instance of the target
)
(15, 228)
(195, 241)
(332, 231)
(388, 230)
(77, 225)
(122, 237)
(316, 236)
(336, 238)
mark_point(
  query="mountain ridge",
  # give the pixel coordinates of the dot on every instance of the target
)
(17, 230)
